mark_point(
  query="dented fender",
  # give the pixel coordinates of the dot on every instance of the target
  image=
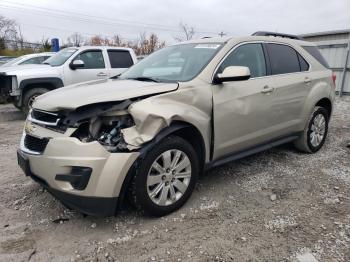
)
(190, 105)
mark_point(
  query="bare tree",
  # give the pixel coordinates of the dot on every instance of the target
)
(99, 40)
(188, 32)
(117, 41)
(8, 31)
(45, 45)
(146, 46)
(75, 39)
(20, 38)
(143, 46)
(96, 40)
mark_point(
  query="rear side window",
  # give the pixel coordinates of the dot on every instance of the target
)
(304, 66)
(283, 59)
(120, 59)
(249, 55)
(313, 50)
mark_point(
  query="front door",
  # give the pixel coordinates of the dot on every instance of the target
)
(94, 68)
(242, 109)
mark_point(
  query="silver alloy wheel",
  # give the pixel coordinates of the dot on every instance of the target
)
(318, 130)
(169, 177)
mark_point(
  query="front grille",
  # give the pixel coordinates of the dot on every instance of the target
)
(49, 120)
(44, 116)
(35, 144)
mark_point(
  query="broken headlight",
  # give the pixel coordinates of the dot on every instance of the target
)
(106, 130)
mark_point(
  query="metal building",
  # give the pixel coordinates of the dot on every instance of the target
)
(335, 47)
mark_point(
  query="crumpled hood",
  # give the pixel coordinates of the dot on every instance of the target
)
(72, 97)
(13, 70)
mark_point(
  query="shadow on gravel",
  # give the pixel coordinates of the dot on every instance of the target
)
(10, 113)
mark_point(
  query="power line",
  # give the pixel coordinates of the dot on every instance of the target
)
(90, 18)
(80, 32)
(81, 14)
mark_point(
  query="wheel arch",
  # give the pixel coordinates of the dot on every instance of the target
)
(49, 83)
(319, 95)
(327, 104)
(182, 129)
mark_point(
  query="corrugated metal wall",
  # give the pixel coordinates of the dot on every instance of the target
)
(334, 48)
(317, 38)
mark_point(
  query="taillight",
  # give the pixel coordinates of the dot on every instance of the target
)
(334, 78)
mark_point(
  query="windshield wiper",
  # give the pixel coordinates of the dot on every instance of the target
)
(116, 76)
(144, 78)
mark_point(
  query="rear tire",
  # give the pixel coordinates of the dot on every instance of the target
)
(29, 97)
(315, 132)
(165, 177)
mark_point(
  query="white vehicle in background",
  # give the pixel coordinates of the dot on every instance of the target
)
(22, 84)
(29, 59)
(5, 59)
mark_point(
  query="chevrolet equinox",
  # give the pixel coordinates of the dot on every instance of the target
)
(147, 134)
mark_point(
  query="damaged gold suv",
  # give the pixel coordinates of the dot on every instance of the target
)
(147, 134)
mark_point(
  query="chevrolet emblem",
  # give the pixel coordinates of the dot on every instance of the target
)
(29, 127)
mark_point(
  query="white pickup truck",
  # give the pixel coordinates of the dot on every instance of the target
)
(21, 84)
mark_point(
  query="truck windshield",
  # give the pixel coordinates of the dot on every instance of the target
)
(173, 64)
(61, 57)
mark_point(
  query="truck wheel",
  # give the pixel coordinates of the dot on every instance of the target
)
(166, 177)
(29, 97)
(315, 133)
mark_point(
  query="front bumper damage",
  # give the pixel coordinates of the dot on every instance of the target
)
(84, 176)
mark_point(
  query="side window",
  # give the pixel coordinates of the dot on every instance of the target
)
(92, 59)
(249, 55)
(120, 59)
(283, 59)
(304, 66)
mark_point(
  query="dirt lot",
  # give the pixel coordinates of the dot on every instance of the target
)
(279, 205)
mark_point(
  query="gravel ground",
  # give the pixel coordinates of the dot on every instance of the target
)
(279, 205)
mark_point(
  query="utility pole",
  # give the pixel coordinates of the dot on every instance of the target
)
(221, 34)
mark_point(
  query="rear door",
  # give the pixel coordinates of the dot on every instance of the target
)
(94, 67)
(120, 60)
(289, 71)
(242, 109)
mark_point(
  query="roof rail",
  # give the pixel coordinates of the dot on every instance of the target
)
(264, 33)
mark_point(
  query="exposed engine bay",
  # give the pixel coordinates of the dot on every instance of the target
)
(106, 130)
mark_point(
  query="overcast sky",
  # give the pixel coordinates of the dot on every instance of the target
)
(48, 18)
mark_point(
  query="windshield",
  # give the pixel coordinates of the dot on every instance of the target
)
(175, 63)
(12, 61)
(61, 57)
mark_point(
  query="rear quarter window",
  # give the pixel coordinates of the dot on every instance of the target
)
(304, 66)
(313, 50)
(120, 59)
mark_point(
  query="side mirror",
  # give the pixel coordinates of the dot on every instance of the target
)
(76, 64)
(233, 73)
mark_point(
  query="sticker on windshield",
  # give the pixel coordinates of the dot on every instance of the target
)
(211, 46)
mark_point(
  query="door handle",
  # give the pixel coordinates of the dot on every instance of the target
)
(101, 74)
(267, 89)
(307, 80)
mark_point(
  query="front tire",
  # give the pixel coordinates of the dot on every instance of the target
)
(29, 97)
(166, 177)
(315, 132)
